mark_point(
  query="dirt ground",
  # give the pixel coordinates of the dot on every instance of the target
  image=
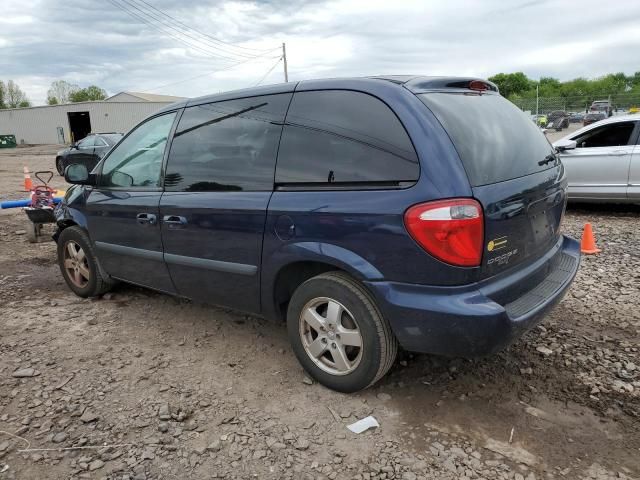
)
(140, 385)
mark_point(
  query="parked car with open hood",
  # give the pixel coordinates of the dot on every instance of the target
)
(368, 213)
(558, 119)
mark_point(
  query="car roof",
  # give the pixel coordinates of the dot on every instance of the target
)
(414, 83)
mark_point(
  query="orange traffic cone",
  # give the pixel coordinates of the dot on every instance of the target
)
(588, 244)
(28, 184)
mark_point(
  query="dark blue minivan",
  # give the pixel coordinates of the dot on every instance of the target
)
(370, 213)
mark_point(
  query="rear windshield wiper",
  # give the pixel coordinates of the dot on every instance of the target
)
(549, 158)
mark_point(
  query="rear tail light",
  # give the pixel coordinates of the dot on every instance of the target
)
(478, 85)
(450, 230)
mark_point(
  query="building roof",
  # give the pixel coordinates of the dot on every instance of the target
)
(149, 97)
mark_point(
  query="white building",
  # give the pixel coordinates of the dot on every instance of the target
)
(50, 124)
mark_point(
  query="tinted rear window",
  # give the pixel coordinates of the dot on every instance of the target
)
(338, 136)
(494, 139)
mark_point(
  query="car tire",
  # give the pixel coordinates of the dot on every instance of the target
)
(328, 317)
(60, 165)
(79, 265)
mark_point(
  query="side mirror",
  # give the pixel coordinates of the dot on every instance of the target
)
(77, 174)
(563, 145)
(74, 146)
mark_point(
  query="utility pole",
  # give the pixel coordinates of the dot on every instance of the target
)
(537, 102)
(284, 58)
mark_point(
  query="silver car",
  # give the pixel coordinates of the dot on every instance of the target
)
(602, 160)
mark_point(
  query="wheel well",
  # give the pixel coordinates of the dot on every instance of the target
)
(62, 224)
(292, 276)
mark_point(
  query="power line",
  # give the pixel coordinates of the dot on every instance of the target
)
(150, 15)
(206, 74)
(159, 28)
(268, 72)
(202, 33)
(145, 21)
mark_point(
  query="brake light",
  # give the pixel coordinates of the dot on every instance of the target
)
(450, 230)
(478, 85)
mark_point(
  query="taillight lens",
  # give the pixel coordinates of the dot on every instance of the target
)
(450, 230)
(478, 85)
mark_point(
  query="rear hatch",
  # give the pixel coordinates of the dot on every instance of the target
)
(513, 171)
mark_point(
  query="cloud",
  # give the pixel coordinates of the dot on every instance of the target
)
(88, 42)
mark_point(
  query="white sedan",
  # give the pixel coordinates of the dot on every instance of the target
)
(602, 160)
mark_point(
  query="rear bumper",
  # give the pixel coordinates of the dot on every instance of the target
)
(478, 319)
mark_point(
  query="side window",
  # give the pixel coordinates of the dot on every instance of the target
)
(137, 161)
(612, 135)
(227, 146)
(339, 136)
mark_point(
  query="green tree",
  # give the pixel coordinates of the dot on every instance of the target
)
(510, 83)
(89, 94)
(60, 92)
(14, 96)
(3, 92)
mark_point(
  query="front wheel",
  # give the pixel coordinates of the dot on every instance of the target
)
(79, 265)
(338, 334)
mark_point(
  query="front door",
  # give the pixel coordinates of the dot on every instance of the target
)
(599, 167)
(218, 183)
(123, 210)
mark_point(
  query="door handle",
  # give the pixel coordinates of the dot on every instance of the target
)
(174, 221)
(619, 153)
(146, 218)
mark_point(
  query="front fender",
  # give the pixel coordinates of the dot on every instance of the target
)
(70, 210)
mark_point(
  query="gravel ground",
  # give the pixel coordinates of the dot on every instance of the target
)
(140, 385)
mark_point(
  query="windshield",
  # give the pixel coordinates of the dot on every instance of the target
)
(494, 139)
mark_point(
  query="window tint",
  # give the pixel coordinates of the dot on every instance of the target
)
(494, 139)
(137, 161)
(341, 136)
(229, 145)
(611, 135)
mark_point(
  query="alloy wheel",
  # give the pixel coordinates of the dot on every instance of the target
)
(330, 336)
(76, 264)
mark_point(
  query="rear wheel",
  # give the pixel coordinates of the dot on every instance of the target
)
(60, 165)
(338, 334)
(79, 265)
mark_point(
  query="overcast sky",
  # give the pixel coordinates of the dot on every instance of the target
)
(95, 42)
